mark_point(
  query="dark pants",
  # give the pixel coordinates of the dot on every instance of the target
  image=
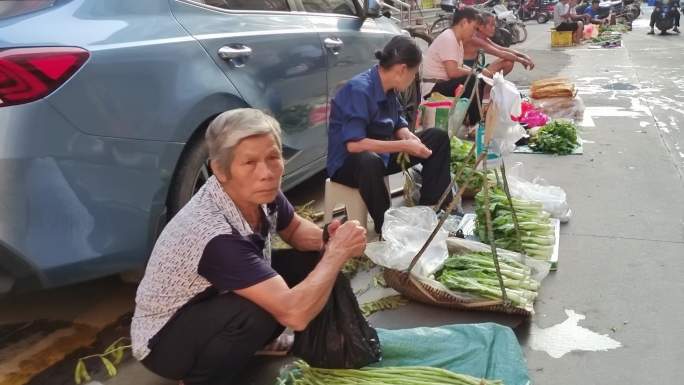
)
(209, 341)
(366, 171)
(673, 11)
(448, 87)
(567, 26)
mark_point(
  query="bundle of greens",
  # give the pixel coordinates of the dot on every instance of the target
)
(557, 137)
(303, 374)
(386, 303)
(475, 273)
(536, 230)
(460, 158)
(614, 28)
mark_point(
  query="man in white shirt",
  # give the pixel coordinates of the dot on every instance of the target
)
(562, 19)
(443, 68)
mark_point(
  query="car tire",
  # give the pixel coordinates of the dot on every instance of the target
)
(192, 171)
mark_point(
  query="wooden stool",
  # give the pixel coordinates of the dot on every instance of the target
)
(350, 198)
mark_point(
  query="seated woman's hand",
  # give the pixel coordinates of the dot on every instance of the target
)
(347, 241)
(417, 149)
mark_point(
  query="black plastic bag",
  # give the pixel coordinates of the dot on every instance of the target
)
(339, 337)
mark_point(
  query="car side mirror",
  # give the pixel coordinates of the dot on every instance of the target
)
(372, 8)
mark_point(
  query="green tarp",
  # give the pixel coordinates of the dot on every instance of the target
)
(481, 350)
(486, 350)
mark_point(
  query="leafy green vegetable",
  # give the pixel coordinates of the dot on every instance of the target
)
(386, 303)
(475, 273)
(557, 137)
(537, 234)
(459, 158)
(303, 374)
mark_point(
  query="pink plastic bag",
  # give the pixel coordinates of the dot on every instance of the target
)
(590, 31)
(531, 116)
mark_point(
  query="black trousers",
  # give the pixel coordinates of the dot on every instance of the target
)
(366, 171)
(210, 340)
(567, 26)
(674, 11)
(448, 87)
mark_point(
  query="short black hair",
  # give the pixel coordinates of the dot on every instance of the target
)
(467, 13)
(400, 50)
(596, 1)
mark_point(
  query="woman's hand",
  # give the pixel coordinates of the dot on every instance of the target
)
(417, 149)
(405, 134)
(346, 241)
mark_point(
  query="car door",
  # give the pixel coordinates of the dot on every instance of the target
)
(275, 60)
(349, 40)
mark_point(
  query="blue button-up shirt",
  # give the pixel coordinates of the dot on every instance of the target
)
(361, 109)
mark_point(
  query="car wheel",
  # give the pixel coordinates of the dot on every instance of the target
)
(192, 172)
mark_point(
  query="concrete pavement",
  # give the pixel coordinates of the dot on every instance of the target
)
(621, 254)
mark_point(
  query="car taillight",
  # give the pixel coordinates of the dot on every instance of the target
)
(28, 74)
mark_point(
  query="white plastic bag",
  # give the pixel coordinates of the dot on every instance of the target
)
(561, 107)
(405, 230)
(506, 97)
(553, 198)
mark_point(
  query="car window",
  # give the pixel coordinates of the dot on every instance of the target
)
(342, 7)
(250, 5)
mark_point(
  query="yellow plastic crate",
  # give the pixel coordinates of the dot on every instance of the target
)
(561, 39)
(427, 4)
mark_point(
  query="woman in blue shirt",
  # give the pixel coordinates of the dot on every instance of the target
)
(367, 132)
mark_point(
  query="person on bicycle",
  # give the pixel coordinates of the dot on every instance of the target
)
(482, 39)
(443, 68)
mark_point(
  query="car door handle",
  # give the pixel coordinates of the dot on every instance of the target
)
(333, 44)
(235, 53)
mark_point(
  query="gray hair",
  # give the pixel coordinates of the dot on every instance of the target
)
(230, 127)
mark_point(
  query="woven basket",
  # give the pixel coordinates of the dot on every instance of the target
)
(470, 193)
(417, 291)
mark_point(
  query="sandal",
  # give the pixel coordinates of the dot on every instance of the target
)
(278, 347)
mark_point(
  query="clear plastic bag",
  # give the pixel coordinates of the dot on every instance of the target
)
(405, 230)
(457, 115)
(561, 108)
(553, 198)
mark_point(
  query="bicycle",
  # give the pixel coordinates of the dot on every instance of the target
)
(444, 20)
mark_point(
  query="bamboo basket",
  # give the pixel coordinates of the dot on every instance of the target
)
(410, 286)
